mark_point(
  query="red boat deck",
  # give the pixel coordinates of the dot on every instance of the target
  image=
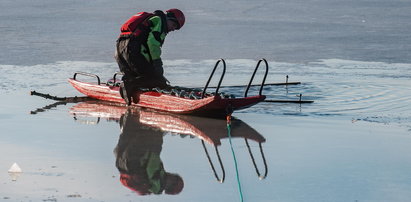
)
(210, 106)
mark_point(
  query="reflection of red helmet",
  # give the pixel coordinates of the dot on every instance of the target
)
(174, 184)
(176, 14)
(135, 183)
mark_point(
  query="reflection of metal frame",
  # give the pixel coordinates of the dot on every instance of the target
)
(221, 180)
(255, 165)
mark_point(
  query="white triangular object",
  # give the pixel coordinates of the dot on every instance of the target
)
(15, 168)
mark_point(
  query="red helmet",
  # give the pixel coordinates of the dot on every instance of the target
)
(177, 15)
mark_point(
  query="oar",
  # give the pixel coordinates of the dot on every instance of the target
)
(47, 107)
(267, 84)
(292, 101)
(60, 101)
(65, 99)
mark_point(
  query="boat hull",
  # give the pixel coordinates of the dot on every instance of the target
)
(209, 106)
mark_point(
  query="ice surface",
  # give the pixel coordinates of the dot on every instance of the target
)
(352, 57)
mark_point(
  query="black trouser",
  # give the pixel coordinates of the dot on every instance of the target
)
(138, 72)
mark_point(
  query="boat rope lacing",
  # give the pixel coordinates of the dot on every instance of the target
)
(190, 93)
(233, 153)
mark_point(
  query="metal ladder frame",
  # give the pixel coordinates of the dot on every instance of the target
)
(252, 77)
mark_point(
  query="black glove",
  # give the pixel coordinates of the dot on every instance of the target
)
(158, 67)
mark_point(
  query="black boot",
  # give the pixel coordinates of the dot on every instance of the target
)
(125, 93)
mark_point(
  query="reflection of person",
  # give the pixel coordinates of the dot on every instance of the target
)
(138, 159)
(138, 51)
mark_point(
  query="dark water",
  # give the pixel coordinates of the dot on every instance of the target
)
(352, 144)
(38, 32)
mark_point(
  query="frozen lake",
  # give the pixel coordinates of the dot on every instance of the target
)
(352, 144)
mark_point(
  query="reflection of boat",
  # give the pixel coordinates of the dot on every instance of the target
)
(208, 130)
(175, 100)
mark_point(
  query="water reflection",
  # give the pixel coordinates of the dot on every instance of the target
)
(141, 139)
(138, 159)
